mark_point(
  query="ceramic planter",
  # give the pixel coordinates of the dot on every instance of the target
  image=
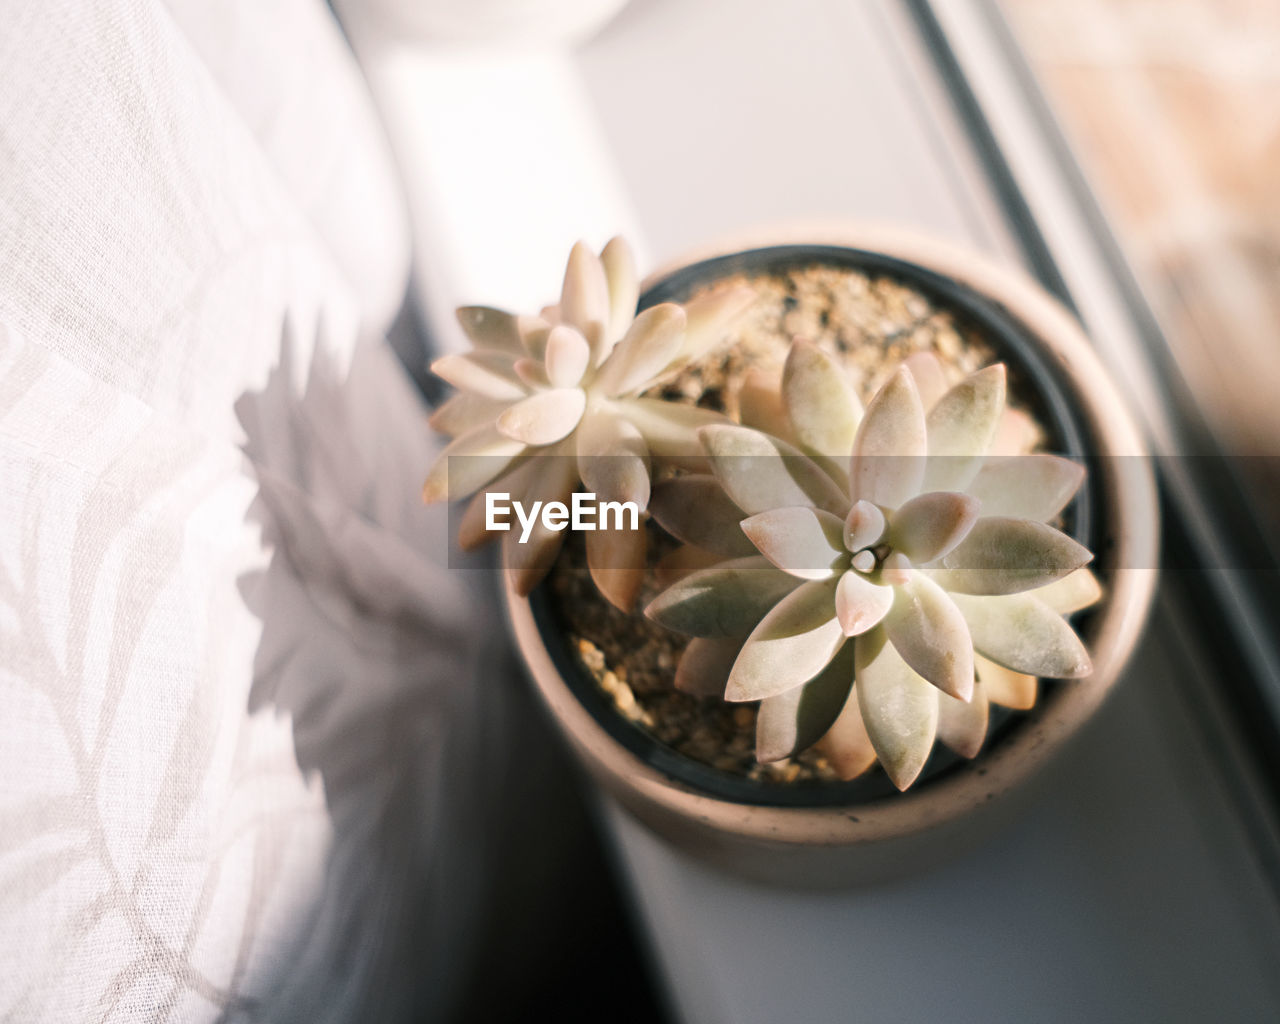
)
(859, 830)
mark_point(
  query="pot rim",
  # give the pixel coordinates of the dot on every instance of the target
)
(1128, 506)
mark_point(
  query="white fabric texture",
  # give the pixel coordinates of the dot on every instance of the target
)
(231, 721)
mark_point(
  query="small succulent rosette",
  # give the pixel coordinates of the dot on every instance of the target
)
(550, 403)
(881, 576)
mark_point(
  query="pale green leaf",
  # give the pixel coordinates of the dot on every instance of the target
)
(823, 410)
(703, 669)
(545, 417)
(962, 725)
(463, 411)
(1073, 592)
(670, 429)
(899, 707)
(645, 351)
(584, 297)
(624, 288)
(861, 604)
(489, 328)
(528, 563)
(929, 632)
(1022, 633)
(846, 744)
(613, 459)
(961, 427)
(710, 316)
(616, 558)
(694, 509)
(534, 332)
(532, 372)
(760, 403)
(791, 722)
(863, 526)
(567, 356)
(930, 525)
(1027, 486)
(791, 645)
(488, 374)
(806, 542)
(761, 473)
(1006, 556)
(727, 599)
(1004, 686)
(889, 451)
(931, 379)
(469, 462)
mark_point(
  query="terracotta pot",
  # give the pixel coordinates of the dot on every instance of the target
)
(854, 831)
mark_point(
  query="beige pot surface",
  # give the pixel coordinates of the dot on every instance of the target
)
(819, 845)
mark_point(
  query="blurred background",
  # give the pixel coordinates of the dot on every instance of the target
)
(1173, 109)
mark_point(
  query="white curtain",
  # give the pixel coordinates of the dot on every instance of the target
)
(235, 730)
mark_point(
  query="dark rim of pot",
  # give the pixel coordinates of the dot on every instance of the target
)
(1039, 383)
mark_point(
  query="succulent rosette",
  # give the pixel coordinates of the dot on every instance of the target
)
(548, 403)
(883, 575)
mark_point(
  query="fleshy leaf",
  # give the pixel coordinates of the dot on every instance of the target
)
(1004, 686)
(528, 563)
(703, 669)
(491, 328)
(930, 633)
(821, 406)
(694, 509)
(544, 418)
(889, 451)
(760, 403)
(793, 721)
(469, 462)
(490, 374)
(861, 604)
(463, 411)
(624, 289)
(728, 599)
(613, 459)
(680, 562)
(761, 473)
(584, 297)
(806, 542)
(647, 349)
(931, 380)
(1006, 556)
(671, 429)
(534, 332)
(846, 744)
(899, 708)
(791, 645)
(710, 316)
(473, 531)
(1071, 593)
(533, 372)
(1017, 434)
(567, 356)
(1022, 633)
(930, 525)
(962, 725)
(961, 427)
(1027, 486)
(863, 526)
(616, 560)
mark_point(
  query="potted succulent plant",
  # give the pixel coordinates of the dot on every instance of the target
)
(869, 482)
